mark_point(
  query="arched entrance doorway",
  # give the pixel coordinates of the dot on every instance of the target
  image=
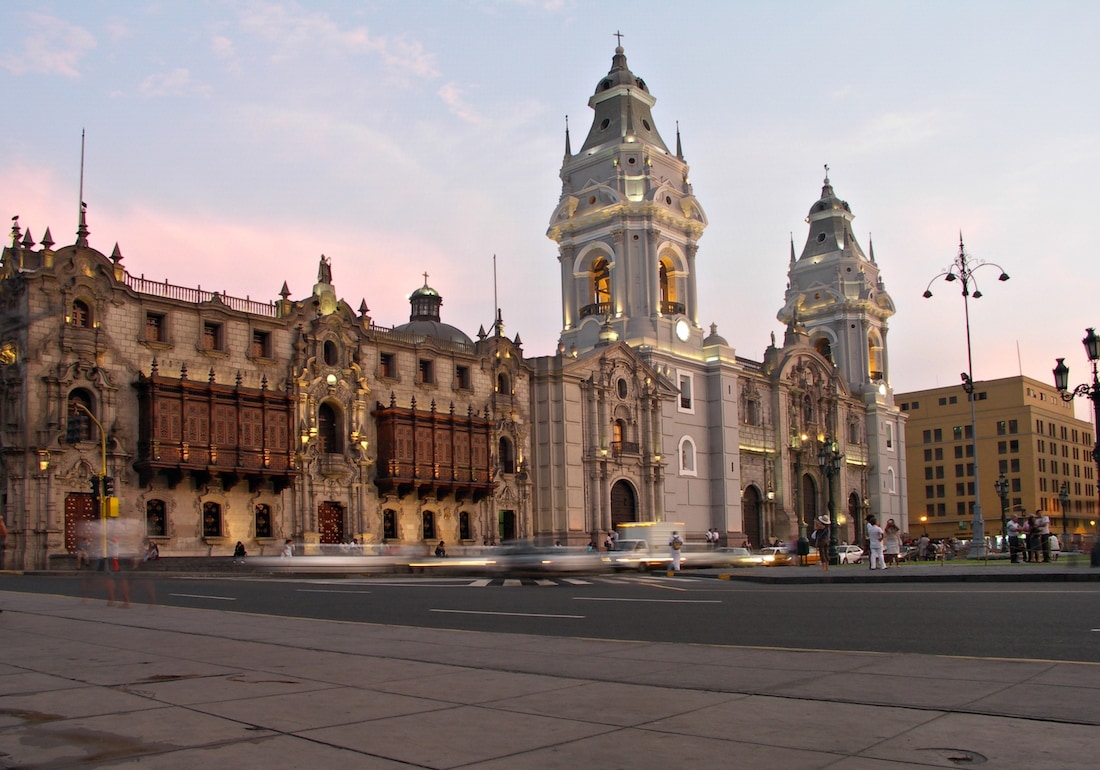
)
(809, 502)
(855, 518)
(753, 516)
(624, 503)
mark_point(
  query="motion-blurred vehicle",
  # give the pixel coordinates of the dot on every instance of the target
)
(739, 557)
(849, 554)
(636, 555)
(527, 558)
(776, 556)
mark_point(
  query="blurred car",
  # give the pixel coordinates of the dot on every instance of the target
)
(527, 558)
(636, 555)
(738, 557)
(849, 554)
(775, 556)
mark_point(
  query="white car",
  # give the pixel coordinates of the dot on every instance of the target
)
(849, 554)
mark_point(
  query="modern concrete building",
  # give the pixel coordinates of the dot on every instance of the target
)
(1025, 432)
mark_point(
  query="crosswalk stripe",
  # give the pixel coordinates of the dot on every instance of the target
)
(513, 582)
(545, 582)
(578, 581)
(481, 583)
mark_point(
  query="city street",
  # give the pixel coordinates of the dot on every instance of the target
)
(1047, 621)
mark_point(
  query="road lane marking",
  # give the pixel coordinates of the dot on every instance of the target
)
(513, 582)
(326, 591)
(577, 581)
(512, 614)
(481, 583)
(544, 582)
(204, 596)
(659, 601)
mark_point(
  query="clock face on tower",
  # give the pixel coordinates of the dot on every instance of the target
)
(683, 330)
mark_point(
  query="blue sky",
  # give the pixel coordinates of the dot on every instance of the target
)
(230, 144)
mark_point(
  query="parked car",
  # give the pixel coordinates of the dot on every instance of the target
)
(849, 554)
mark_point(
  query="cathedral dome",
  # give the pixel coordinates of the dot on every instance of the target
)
(620, 75)
(424, 317)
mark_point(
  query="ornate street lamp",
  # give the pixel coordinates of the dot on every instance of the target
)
(962, 269)
(1092, 392)
(1001, 485)
(1063, 498)
(829, 459)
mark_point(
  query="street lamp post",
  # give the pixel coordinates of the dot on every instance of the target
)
(1063, 499)
(829, 459)
(1001, 485)
(962, 269)
(1092, 392)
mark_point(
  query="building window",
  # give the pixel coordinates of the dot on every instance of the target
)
(464, 526)
(1013, 426)
(387, 366)
(928, 455)
(621, 386)
(600, 283)
(687, 457)
(84, 399)
(686, 403)
(426, 372)
(429, 525)
(752, 412)
(504, 385)
(212, 336)
(331, 353)
(155, 523)
(889, 436)
(389, 524)
(211, 520)
(263, 520)
(330, 428)
(261, 344)
(1002, 427)
(81, 314)
(154, 327)
(462, 377)
(928, 473)
(507, 455)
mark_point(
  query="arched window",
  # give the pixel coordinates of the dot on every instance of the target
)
(331, 353)
(464, 526)
(807, 411)
(824, 347)
(211, 520)
(263, 520)
(81, 314)
(330, 428)
(155, 523)
(875, 363)
(389, 524)
(504, 384)
(84, 398)
(600, 276)
(506, 455)
(429, 525)
(687, 457)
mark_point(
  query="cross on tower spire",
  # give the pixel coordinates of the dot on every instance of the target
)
(619, 37)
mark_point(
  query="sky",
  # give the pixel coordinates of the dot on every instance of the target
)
(230, 144)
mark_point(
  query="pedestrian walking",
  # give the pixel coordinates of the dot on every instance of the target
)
(675, 545)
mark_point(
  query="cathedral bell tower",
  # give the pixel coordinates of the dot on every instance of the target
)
(627, 227)
(836, 293)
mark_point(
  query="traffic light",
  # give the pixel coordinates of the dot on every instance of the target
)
(108, 486)
(95, 486)
(76, 428)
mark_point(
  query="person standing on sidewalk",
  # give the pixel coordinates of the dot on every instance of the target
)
(1014, 539)
(820, 539)
(892, 542)
(1042, 526)
(874, 540)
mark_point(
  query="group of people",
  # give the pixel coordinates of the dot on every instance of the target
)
(1029, 536)
(884, 543)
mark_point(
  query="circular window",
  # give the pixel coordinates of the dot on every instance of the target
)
(605, 123)
(821, 238)
(668, 200)
(646, 124)
(635, 237)
(817, 296)
(848, 270)
(332, 355)
(622, 387)
(591, 200)
(631, 161)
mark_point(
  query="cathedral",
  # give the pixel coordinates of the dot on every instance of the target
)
(196, 420)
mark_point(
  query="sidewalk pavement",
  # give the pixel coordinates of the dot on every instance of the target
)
(87, 685)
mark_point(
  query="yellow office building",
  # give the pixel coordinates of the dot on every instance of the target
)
(1025, 432)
